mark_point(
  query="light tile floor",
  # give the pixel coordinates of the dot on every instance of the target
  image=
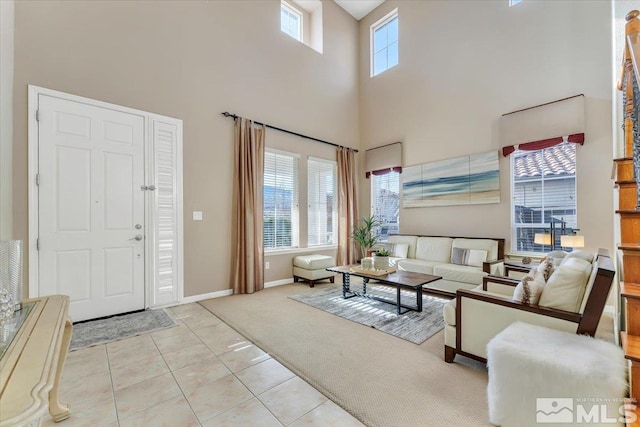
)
(199, 373)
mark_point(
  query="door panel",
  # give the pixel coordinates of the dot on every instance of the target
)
(118, 271)
(118, 188)
(91, 166)
(72, 171)
(73, 274)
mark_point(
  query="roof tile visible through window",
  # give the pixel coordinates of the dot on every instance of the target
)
(558, 160)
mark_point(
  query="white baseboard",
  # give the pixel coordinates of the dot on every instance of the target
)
(226, 292)
(217, 294)
(278, 282)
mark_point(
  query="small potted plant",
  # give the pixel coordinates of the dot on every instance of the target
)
(364, 234)
(381, 260)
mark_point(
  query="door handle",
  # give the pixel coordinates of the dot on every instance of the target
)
(138, 237)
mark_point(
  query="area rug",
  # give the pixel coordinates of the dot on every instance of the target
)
(412, 326)
(102, 331)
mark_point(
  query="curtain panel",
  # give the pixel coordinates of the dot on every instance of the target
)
(347, 205)
(248, 246)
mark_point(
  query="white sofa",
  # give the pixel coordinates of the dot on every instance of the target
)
(434, 255)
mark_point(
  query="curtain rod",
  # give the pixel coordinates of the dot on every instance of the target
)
(542, 105)
(228, 114)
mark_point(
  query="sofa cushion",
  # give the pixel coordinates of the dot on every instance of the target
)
(566, 285)
(489, 245)
(472, 257)
(416, 265)
(314, 262)
(581, 254)
(587, 289)
(434, 249)
(459, 273)
(410, 240)
(401, 250)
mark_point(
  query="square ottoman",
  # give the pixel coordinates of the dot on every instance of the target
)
(541, 376)
(312, 268)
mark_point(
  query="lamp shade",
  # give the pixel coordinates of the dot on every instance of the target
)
(542, 239)
(572, 241)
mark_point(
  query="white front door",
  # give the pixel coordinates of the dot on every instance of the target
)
(91, 207)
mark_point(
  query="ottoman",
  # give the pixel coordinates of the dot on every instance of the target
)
(541, 375)
(313, 268)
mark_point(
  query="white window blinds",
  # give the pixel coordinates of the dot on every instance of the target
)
(385, 202)
(543, 191)
(322, 212)
(280, 200)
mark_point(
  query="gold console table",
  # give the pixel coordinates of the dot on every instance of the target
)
(31, 366)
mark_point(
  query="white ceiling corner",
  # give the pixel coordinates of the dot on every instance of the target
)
(359, 8)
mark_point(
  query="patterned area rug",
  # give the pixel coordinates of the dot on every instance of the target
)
(102, 331)
(411, 326)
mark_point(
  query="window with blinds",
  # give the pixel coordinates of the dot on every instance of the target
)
(543, 192)
(385, 203)
(280, 200)
(322, 213)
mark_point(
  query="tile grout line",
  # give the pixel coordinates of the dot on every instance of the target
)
(254, 396)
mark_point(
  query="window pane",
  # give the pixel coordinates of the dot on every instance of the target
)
(385, 202)
(392, 55)
(392, 30)
(380, 62)
(280, 200)
(544, 193)
(380, 39)
(322, 211)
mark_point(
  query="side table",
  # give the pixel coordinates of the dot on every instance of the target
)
(31, 366)
(518, 267)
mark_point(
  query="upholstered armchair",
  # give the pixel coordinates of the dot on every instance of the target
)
(575, 305)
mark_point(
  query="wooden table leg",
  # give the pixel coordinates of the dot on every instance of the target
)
(57, 410)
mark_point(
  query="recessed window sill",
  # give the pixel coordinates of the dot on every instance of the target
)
(310, 249)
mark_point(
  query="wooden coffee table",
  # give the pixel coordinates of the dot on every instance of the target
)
(399, 279)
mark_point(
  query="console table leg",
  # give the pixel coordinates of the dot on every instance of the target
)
(57, 410)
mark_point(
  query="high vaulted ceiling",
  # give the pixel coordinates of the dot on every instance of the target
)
(359, 8)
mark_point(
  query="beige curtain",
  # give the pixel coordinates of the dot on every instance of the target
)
(247, 246)
(347, 205)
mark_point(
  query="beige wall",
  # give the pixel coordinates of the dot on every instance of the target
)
(6, 117)
(190, 60)
(462, 64)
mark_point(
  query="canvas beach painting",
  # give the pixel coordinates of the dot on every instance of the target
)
(473, 179)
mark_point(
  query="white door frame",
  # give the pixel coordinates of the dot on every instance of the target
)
(34, 217)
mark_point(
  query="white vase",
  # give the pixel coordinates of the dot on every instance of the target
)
(11, 270)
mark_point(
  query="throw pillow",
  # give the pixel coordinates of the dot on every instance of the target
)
(529, 289)
(471, 257)
(546, 268)
(401, 250)
(566, 286)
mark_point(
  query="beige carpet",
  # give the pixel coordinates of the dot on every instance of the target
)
(380, 379)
